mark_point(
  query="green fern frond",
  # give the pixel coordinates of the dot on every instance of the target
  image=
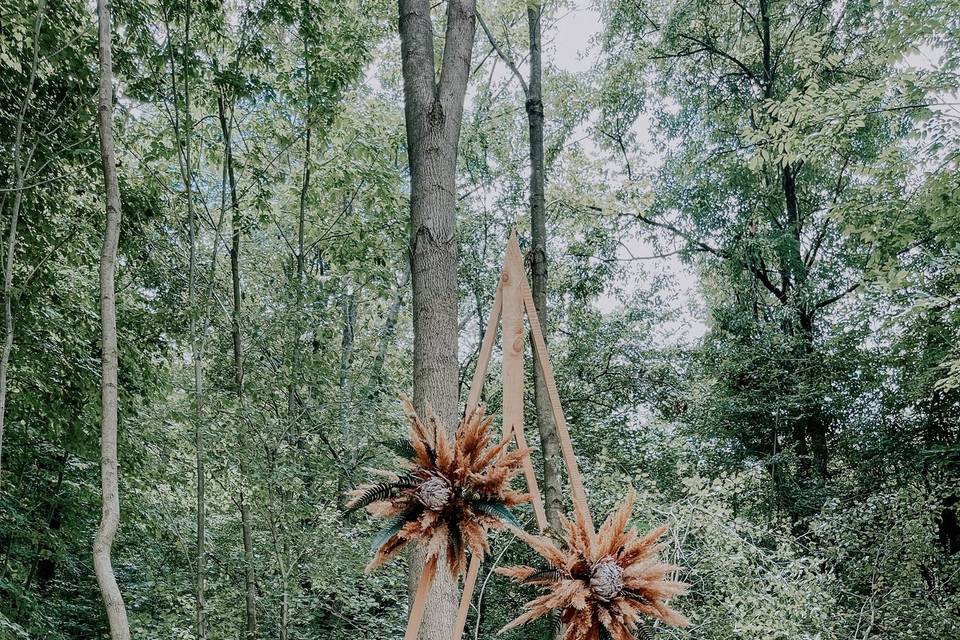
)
(393, 527)
(496, 510)
(401, 447)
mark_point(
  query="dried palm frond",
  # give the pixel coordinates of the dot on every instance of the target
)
(600, 588)
(449, 494)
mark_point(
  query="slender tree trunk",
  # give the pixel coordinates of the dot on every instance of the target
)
(533, 92)
(348, 440)
(549, 440)
(196, 354)
(348, 313)
(297, 368)
(246, 518)
(433, 113)
(110, 514)
(375, 385)
(285, 600)
(812, 425)
(20, 168)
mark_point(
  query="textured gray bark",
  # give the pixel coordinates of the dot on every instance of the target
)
(110, 511)
(433, 113)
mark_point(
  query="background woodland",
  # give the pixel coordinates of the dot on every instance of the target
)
(747, 249)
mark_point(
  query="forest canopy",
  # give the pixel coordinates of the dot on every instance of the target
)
(740, 221)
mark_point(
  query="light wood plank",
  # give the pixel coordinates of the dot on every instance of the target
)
(580, 504)
(486, 349)
(420, 599)
(469, 584)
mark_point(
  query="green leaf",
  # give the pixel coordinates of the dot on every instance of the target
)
(496, 510)
(401, 447)
(393, 527)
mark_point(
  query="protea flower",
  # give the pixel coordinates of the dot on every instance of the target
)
(600, 588)
(449, 493)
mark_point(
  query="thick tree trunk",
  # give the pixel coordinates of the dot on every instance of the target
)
(549, 440)
(246, 518)
(20, 168)
(433, 113)
(110, 513)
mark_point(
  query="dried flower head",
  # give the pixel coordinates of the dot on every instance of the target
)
(448, 495)
(600, 588)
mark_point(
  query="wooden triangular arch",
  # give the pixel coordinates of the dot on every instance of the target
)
(513, 300)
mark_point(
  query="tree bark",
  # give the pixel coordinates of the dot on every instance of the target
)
(433, 113)
(549, 440)
(20, 167)
(110, 512)
(246, 518)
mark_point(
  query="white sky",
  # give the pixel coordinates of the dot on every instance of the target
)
(571, 45)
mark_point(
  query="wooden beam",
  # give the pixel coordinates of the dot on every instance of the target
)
(486, 349)
(580, 504)
(513, 345)
(469, 584)
(420, 599)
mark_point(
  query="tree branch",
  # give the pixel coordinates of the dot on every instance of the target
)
(503, 55)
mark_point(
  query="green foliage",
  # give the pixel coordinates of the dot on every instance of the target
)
(805, 450)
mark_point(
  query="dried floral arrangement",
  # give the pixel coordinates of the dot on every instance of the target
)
(600, 588)
(448, 494)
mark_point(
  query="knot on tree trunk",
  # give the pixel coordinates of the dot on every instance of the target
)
(534, 107)
(435, 115)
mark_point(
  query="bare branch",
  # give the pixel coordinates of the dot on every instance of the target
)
(503, 54)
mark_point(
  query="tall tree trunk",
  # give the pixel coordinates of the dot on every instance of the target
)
(297, 355)
(549, 440)
(433, 113)
(20, 168)
(109, 484)
(811, 429)
(246, 518)
(533, 93)
(200, 621)
(297, 368)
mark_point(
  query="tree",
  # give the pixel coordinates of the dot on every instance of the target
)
(781, 107)
(109, 482)
(433, 110)
(537, 258)
(21, 166)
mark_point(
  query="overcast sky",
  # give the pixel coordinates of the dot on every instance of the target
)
(570, 45)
